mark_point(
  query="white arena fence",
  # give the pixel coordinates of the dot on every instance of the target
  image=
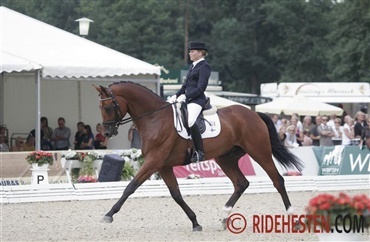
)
(157, 188)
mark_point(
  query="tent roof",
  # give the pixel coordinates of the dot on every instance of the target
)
(221, 102)
(10, 63)
(27, 43)
(300, 105)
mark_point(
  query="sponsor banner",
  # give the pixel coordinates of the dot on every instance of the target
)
(210, 168)
(344, 160)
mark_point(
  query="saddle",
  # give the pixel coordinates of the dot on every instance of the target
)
(207, 109)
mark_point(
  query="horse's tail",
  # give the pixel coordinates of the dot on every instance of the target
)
(279, 151)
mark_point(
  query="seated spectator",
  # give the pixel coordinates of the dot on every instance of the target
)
(19, 144)
(30, 143)
(3, 146)
(100, 141)
(88, 141)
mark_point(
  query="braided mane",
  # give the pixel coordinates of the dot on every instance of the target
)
(135, 83)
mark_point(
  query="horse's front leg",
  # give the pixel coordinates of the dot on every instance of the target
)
(143, 174)
(169, 178)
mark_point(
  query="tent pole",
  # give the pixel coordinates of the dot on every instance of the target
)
(38, 107)
(79, 100)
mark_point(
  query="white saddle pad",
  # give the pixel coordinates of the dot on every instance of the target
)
(212, 122)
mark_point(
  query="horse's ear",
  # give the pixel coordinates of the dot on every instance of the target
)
(101, 89)
(104, 90)
(97, 88)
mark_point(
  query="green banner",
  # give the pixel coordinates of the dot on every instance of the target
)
(343, 160)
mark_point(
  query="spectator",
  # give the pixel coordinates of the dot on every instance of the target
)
(299, 129)
(47, 133)
(30, 143)
(79, 136)
(348, 131)
(285, 122)
(326, 132)
(33, 133)
(365, 135)
(307, 124)
(299, 123)
(134, 137)
(360, 123)
(3, 146)
(19, 144)
(61, 135)
(314, 134)
(88, 141)
(331, 122)
(282, 134)
(276, 119)
(307, 141)
(338, 129)
(291, 138)
(100, 141)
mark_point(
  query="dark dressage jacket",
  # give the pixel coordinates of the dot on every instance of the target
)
(196, 83)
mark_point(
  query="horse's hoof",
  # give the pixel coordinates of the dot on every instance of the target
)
(197, 228)
(107, 219)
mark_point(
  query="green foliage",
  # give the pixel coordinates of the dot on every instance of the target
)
(128, 172)
(250, 42)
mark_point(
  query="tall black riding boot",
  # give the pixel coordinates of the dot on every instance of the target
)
(198, 154)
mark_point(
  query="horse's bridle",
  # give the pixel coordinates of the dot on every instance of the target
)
(117, 112)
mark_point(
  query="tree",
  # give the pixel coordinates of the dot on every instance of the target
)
(350, 55)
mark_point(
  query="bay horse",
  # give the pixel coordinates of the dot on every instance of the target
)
(242, 131)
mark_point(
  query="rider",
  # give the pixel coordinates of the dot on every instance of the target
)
(192, 92)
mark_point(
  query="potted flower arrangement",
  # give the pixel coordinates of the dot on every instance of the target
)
(82, 172)
(325, 209)
(86, 179)
(40, 158)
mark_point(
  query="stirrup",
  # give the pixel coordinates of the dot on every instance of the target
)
(197, 156)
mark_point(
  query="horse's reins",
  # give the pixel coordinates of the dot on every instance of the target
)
(117, 111)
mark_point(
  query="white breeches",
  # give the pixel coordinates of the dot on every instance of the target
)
(193, 113)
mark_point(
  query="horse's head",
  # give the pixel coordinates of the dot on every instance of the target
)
(112, 108)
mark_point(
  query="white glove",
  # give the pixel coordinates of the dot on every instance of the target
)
(181, 98)
(171, 99)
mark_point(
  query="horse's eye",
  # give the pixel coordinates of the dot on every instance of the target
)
(107, 109)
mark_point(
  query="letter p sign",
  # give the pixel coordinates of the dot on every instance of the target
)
(40, 178)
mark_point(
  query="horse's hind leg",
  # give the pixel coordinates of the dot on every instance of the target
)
(169, 178)
(267, 163)
(229, 165)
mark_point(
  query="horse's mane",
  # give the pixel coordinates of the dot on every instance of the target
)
(135, 83)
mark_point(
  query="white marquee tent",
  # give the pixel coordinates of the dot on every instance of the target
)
(45, 70)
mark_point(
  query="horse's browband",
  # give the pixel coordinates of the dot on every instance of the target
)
(104, 99)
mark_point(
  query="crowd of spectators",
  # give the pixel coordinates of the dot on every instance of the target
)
(324, 131)
(58, 138)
